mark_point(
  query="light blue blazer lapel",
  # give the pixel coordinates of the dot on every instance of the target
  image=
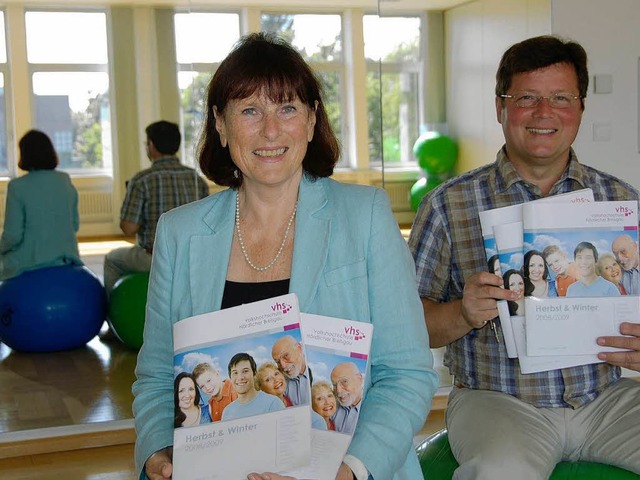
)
(209, 254)
(313, 232)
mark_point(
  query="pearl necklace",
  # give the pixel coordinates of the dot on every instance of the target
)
(244, 250)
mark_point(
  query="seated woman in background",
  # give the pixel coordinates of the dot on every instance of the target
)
(41, 214)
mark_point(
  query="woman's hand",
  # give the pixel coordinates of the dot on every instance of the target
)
(268, 476)
(344, 473)
(159, 466)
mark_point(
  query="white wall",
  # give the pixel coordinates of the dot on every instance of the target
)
(610, 33)
(476, 35)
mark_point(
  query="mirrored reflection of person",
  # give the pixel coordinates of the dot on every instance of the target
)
(289, 355)
(590, 284)
(219, 391)
(282, 227)
(625, 250)
(536, 276)
(348, 387)
(608, 268)
(41, 212)
(323, 402)
(566, 271)
(271, 380)
(514, 281)
(187, 409)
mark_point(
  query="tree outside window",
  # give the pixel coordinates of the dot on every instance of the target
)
(203, 40)
(393, 87)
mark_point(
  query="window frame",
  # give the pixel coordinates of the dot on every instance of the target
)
(106, 68)
(5, 70)
(418, 67)
(198, 68)
(332, 67)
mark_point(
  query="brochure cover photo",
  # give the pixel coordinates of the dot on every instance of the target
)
(234, 371)
(338, 354)
(502, 233)
(577, 284)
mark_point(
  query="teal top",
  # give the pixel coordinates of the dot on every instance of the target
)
(40, 223)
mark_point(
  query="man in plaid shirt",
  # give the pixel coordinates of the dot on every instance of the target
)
(504, 424)
(165, 185)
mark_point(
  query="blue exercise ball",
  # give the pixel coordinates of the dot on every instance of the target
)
(51, 309)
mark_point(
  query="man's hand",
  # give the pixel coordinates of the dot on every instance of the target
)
(159, 466)
(452, 320)
(481, 291)
(629, 359)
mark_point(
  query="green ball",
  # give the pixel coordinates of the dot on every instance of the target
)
(438, 463)
(127, 308)
(436, 154)
(433, 181)
(422, 187)
(418, 190)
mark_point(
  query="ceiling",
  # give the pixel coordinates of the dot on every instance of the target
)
(388, 5)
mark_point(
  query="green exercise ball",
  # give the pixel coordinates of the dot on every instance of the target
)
(127, 308)
(418, 190)
(421, 188)
(436, 154)
(438, 463)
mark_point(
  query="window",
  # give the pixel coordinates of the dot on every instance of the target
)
(68, 62)
(318, 38)
(393, 87)
(203, 40)
(4, 74)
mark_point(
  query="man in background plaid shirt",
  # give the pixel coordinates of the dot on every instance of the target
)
(165, 185)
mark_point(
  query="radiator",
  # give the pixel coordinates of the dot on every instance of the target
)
(95, 206)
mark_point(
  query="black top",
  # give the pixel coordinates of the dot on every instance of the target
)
(238, 293)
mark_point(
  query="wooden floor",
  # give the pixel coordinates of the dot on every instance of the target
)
(67, 415)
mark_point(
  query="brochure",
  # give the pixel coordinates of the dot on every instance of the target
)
(502, 234)
(565, 314)
(338, 355)
(235, 342)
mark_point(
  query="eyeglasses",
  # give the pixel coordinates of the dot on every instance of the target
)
(531, 100)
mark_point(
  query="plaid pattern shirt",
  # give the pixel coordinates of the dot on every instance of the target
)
(446, 242)
(165, 185)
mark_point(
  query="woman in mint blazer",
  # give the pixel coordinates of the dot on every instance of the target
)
(345, 258)
(41, 213)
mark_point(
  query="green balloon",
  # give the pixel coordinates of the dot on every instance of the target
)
(127, 308)
(436, 153)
